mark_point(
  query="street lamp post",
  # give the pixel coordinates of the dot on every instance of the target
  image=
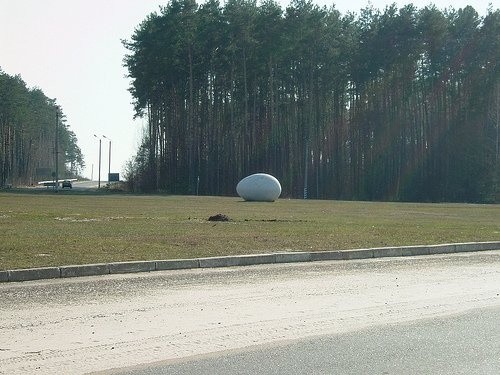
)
(109, 156)
(99, 180)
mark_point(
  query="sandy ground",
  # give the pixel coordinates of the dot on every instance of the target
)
(84, 325)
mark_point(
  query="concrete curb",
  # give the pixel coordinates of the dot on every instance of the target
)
(34, 274)
(84, 270)
(176, 264)
(132, 267)
(239, 260)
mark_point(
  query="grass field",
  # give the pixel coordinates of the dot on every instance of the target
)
(60, 229)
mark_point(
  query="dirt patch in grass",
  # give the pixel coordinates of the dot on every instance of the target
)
(219, 217)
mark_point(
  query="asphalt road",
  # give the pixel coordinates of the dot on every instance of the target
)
(91, 324)
(77, 185)
(87, 184)
(467, 343)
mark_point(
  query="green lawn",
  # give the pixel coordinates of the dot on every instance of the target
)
(59, 229)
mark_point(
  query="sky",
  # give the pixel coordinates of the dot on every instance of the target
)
(72, 51)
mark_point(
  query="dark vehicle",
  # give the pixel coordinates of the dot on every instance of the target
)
(67, 184)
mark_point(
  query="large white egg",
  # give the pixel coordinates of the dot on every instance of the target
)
(259, 187)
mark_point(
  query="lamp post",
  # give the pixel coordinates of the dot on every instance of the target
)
(99, 181)
(109, 157)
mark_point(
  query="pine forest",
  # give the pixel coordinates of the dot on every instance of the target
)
(397, 104)
(29, 147)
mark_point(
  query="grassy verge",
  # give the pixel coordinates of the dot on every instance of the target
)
(59, 229)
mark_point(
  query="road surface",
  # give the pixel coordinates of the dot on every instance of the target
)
(459, 344)
(93, 324)
(77, 185)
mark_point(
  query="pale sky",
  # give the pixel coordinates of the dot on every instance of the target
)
(71, 50)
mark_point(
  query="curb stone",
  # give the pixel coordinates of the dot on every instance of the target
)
(4, 276)
(239, 260)
(387, 252)
(357, 254)
(326, 255)
(84, 270)
(442, 249)
(293, 257)
(176, 264)
(476, 246)
(34, 274)
(415, 250)
(131, 267)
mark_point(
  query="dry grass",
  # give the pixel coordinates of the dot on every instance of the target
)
(48, 229)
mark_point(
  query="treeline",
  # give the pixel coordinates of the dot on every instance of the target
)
(27, 136)
(399, 104)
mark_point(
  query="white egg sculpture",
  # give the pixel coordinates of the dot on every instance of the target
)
(260, 187)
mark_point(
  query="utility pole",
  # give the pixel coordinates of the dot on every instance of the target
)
(109, 157)
(99, 180)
